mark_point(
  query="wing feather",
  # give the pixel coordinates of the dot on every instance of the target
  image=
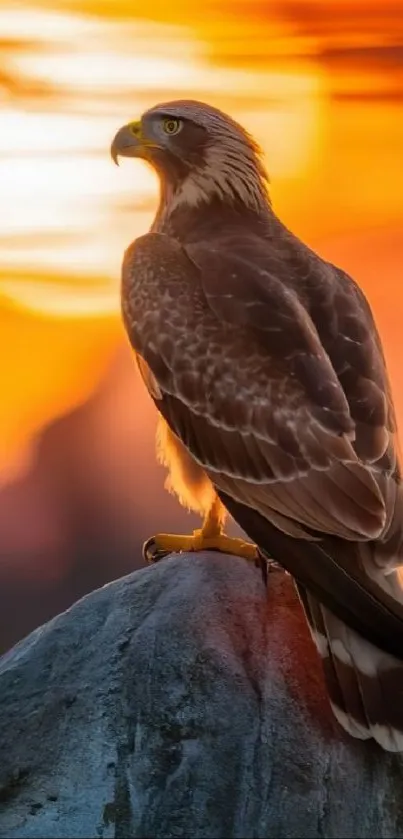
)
(261, 404)
(266, 363)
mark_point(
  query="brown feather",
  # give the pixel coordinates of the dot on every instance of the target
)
(267, 367)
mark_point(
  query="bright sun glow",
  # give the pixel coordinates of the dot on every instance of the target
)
(320, 92)
(65, 206)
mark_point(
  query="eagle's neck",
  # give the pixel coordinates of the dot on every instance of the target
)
(203, 222)
(185, 207)
(235, 183)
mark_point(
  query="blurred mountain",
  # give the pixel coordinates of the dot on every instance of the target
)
(79, 516)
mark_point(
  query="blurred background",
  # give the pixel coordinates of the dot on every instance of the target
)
(319, 83)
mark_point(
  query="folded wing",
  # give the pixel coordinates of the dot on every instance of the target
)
(283, 398)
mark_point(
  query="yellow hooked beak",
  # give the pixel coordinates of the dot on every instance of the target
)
(130, 142)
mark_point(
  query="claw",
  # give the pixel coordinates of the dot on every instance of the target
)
(152, 553)
(158, 547)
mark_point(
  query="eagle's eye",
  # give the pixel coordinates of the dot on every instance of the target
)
(172, 126)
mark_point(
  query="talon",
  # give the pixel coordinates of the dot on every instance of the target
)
(151, 551)
(263, 564)
(159, 546)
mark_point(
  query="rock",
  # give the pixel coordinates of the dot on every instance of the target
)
(183, 701)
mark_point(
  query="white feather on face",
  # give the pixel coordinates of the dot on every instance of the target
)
(225, 176)
(232, 167)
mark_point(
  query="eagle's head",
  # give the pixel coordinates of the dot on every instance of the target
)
(199, 153)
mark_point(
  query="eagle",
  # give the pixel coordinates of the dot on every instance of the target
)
(269, 378)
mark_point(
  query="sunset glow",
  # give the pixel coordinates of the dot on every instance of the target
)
(322, 96)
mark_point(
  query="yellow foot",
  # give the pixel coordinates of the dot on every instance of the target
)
(165, 543)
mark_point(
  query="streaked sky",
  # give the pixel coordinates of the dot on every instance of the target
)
(319, 83)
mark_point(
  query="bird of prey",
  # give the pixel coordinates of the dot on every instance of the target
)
(268, 374)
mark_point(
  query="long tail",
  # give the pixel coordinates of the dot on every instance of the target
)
(365, 684)
(355, 620)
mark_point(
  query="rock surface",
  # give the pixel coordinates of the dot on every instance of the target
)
(183, 701)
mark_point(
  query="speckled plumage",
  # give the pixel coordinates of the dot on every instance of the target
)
(265, 364)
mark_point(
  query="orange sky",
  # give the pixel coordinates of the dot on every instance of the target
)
(319, 82)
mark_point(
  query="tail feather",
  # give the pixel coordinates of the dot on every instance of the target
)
(353, 602)
(353, 722)
(365, 684)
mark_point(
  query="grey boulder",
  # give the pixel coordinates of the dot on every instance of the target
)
(184, 700)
